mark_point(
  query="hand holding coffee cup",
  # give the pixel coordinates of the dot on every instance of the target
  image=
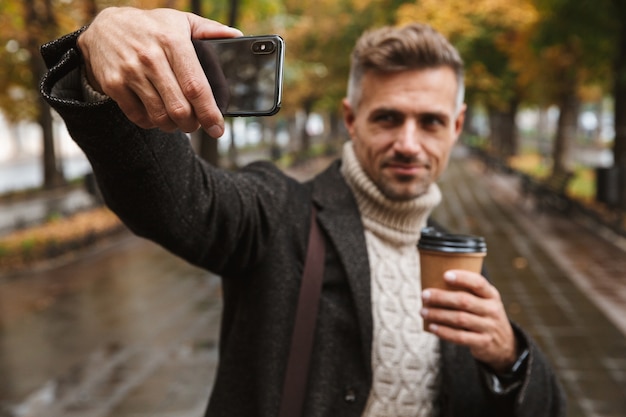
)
(440, 252)
(477, 318)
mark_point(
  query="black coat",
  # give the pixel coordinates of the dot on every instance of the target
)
(251, 228)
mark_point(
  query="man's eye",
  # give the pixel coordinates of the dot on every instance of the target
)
(386, 118)
(432, 121)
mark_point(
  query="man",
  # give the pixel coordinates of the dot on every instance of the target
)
(132, 76)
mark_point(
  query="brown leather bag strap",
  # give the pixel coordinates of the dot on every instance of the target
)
(294, 388)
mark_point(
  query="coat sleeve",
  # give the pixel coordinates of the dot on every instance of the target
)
(541, 393)
(156, 184)
(465, 391)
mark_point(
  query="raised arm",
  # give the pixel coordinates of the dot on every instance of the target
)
(152, 178)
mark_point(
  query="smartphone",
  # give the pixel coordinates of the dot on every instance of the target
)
(245, 73)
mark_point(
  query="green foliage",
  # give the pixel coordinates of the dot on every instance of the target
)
(320, 37)
(28, 245)
(575, 42)
(583, 186)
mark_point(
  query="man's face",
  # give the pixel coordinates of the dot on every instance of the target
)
(404, 128)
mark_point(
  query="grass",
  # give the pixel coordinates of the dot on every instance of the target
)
(582, 186)
(56, 237)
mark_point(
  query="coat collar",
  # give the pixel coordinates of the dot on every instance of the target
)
(336, 215)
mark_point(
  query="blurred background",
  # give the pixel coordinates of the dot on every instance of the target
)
(96, 322)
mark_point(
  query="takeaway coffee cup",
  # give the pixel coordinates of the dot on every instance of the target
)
(440, 252)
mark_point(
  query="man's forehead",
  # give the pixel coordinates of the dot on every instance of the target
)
(383, 89)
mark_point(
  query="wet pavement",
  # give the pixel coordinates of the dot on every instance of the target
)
(35, 210)
(129, 330)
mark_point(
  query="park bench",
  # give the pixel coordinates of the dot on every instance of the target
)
(492, 163)
(549, 193)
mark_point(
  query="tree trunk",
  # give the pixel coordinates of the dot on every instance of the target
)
(503, 136)
(544, 133)
(232, 148)
(207, 148)
(565, 131)
(305, 138)
(52, 172)
(293, 129)
(619, 92)
(42, 22)
(468, 127)
(335, 137)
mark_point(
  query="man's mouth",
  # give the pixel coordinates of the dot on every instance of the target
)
(406, 169)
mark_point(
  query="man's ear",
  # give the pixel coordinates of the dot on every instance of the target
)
(459, 121)
(348, 116)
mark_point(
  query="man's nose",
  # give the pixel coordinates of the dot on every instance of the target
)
(408, 140)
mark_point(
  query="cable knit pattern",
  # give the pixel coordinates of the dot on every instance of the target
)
(405, 359)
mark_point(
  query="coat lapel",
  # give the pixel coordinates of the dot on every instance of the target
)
(336, 215)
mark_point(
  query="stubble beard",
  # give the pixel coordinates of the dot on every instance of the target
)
(403, 188)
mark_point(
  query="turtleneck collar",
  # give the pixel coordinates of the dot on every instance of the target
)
(398, 222)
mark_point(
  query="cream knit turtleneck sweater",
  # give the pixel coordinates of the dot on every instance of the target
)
(405, 359)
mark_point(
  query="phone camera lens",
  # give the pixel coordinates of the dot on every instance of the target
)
(263, 47)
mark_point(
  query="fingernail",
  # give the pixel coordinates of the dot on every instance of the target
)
(433, 327)
(424, 312)
(426, 294)
(449, 276)
(215, 131)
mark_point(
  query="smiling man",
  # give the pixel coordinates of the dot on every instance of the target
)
(131, 77)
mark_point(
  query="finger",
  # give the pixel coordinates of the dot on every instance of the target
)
(165, 100)
(205, 28)
(134, 110)
(455, 300)
(205, 108)
(456, 319)
(140, 101)
(471, 282)
(462, 337)
(195, 92)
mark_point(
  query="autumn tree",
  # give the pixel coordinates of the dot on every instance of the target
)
(42, 26)
(320, 36)
(487, 34)
(573, 41)
(24, 26)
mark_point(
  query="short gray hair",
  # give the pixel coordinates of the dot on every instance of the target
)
(393, 49)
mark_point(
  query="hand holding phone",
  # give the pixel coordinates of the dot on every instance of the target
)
(245, 73)
(141, 59)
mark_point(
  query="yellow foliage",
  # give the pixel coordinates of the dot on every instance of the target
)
(65, 229)
(480, 78)
(468, 19)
